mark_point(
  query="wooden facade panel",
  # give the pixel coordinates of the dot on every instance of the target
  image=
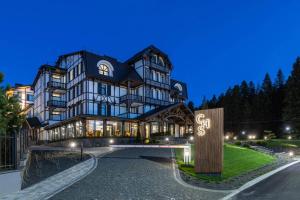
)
(209, 146)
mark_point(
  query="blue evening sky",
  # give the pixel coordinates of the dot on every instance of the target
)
(212, 44)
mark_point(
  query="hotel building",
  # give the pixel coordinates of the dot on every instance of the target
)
(86, 95)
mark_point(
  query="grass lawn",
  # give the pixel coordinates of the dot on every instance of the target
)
(237, 160)
(283, 143)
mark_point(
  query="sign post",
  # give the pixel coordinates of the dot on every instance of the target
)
(209, 134)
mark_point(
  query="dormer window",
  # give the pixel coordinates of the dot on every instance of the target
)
(178, 87)
(105, 68)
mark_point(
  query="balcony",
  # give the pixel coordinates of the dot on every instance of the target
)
(156, 101)
(57, 104)
(131, 98)
(157, 84)
(158, 67)
(56, 85)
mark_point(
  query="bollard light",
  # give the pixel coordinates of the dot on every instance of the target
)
(72, 144)
(192, 138)
(291, 153)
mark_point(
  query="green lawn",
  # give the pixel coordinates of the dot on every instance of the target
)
(237, 160)
(283, 143)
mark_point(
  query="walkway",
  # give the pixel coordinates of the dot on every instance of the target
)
(54, 184)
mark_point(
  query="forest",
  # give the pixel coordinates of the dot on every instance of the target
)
(271, 107)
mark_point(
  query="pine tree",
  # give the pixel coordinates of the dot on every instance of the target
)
(292, 98)
(191, 106)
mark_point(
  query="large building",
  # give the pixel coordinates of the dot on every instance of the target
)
(89, 95)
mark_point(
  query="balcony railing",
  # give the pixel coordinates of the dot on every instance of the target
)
(156, 101)
(157, 84)
(58, 104)
(157, 67)
(58, 85)
(131, 98)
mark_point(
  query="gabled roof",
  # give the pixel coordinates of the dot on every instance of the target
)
(147, 51)
(47, 67)
(160, 110)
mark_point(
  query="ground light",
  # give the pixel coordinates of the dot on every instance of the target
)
(227, 137)
(111, 141)
(291, 153)
(265, 137)
(235, 137)
(289, 137)
(167, 139)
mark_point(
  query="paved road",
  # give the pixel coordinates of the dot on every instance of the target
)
(133, 174)
(282, 185)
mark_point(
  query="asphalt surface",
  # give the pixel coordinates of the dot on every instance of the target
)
(282, 185)
(134, 173)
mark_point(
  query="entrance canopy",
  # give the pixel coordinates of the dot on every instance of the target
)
(177, 113)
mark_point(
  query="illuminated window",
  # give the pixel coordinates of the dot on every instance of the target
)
(103, 69)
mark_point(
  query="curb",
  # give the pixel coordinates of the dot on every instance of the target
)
(258, 179)
(178, 178)
(95, 164)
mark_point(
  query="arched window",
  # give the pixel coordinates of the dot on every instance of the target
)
(103, 69)
(161, 61)
(178, 87)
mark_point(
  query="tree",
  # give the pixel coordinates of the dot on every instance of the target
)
(11, 118)
(292, 98)
(191, 106)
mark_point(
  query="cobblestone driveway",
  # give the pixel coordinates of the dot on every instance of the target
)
(133, 174)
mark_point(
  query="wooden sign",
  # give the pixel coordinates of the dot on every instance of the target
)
(209, 139)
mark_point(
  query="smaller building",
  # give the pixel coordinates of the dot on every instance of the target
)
(25, 95)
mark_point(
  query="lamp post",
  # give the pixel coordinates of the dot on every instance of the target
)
(81, 150)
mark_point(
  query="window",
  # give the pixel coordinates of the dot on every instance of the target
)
(29, 97)
(154, 58)
(71, 74)
(103, 69)
(103, 109)
(79, 68)
(102, 88)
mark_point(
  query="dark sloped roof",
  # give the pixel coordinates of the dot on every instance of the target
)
(147, 51)
(184, 88)
(33, 122)
(122, 72)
